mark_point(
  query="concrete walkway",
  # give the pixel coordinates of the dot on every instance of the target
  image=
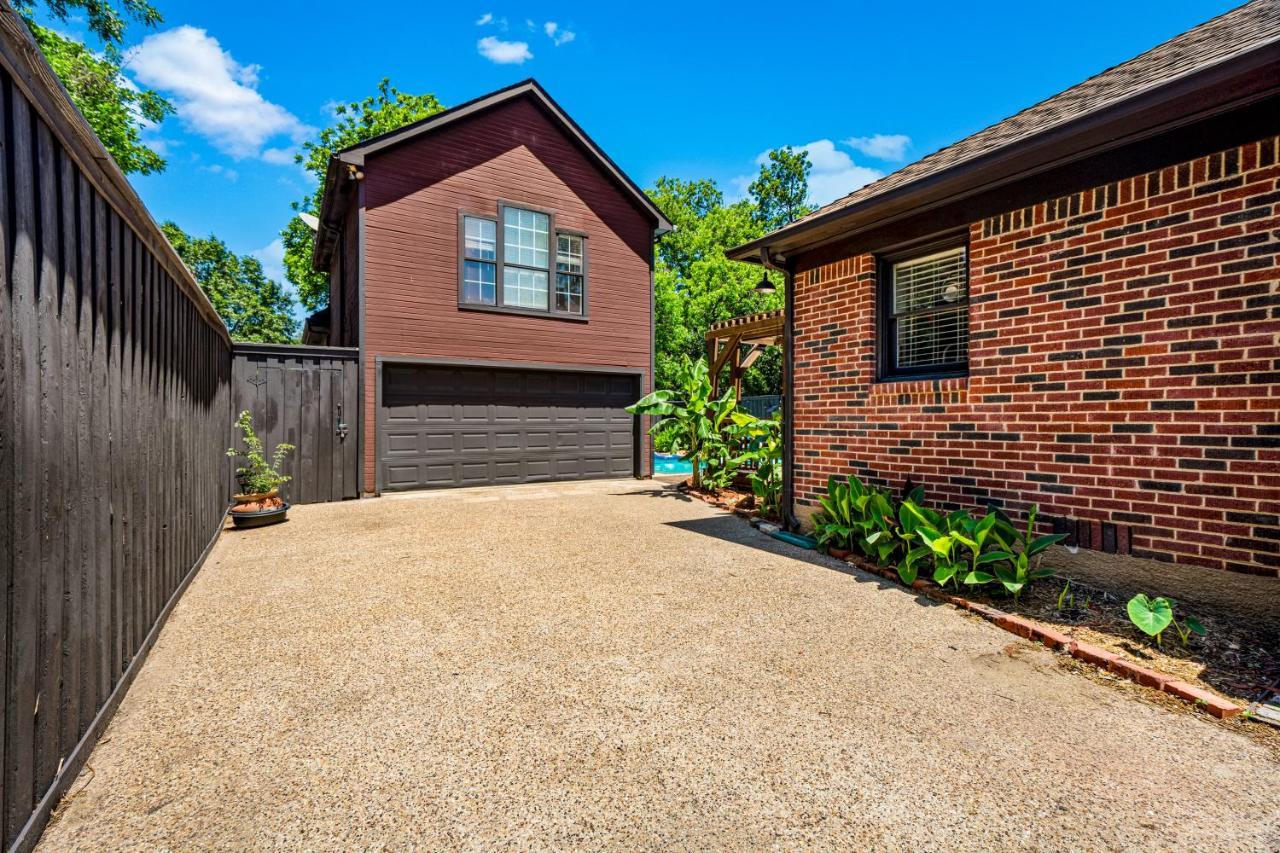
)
(611, 665)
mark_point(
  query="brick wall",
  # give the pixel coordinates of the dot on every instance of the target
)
(1124, 368)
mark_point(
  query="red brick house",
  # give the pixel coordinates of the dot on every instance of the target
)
(494, 268)
(1078, 307)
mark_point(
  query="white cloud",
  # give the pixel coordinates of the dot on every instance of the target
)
(504, 52)
(892, 146)
(486, 18)
(218, 169)
(834, 172)
(272, 258)
(215, 96)
(279, 156)
(557, 35)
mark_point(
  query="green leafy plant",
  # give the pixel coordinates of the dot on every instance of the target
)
(912, 516)
(973, 534)
(855, 514)
(833, 525)
(1066, 598)
(1153, 615)
(258, 475)
(695, 421)
(760, 450)
(1022, 552)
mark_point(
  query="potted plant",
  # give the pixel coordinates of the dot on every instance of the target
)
(259, 479)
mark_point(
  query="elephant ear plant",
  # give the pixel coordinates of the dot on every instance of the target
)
(1152, 615)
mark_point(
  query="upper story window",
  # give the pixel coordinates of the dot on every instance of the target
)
(571, 266)
(519, 262)
(924, 314)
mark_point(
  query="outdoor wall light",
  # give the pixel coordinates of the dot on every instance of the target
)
(765, 286)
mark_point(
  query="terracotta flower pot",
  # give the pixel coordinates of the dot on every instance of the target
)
(257, 502)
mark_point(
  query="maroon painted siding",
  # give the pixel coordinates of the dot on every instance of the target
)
(514, 153)
(1123, 366)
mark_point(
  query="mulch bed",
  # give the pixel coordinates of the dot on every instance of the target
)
(1235, 659)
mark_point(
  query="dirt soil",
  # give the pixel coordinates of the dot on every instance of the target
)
(617, 665)
(1238, 657)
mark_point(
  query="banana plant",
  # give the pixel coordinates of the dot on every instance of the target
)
(691, 411)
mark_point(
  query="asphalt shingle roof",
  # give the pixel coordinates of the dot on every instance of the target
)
(1242, 29)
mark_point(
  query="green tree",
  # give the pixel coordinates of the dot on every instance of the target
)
(357, 121)
(254, 307)
(114, 109)
(781, 190)
(697, 286)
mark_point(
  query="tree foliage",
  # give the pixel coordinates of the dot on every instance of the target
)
(116, 110)
(696, 285)
(781, 190)
(355, 122)
(103, 18)
(254, 307)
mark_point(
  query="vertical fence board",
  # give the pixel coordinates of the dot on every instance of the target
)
(53, 463)
(8, 406)
(24, 602)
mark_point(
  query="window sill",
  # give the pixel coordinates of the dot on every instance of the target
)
(523, 312)
(949, 377)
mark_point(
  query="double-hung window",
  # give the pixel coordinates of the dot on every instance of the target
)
(924, 314)
(571, 269)
(479, 261)
(519, 262)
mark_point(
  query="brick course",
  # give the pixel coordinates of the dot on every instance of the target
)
(1124, 367)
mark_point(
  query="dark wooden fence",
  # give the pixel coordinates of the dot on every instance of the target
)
(114, 403)
(308, 397)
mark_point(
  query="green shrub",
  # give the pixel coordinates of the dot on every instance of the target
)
(958, 547)
(1023, 552)
(258, 475)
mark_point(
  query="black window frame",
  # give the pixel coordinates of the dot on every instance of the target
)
(886, 323)
(500, 263)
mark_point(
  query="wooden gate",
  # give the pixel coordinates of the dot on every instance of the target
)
(309, 397)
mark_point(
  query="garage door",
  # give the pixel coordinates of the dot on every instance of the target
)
(468, 426)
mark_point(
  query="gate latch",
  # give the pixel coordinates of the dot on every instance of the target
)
(341, 428)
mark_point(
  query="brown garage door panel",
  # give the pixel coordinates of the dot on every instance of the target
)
(464, 426)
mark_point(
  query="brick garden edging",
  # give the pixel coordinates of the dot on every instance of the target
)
(1031, 630)
(1058, 641)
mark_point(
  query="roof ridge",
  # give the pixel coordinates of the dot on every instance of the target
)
(867, 191)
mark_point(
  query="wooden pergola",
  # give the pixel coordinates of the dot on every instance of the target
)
(739, 342)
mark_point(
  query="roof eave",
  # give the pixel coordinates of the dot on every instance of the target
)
(1243, 79)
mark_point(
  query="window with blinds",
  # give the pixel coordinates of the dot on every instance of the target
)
(927, 321)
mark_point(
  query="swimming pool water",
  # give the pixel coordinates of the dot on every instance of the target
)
(670, 463)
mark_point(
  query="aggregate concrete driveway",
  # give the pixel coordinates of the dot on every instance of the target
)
(610, 665)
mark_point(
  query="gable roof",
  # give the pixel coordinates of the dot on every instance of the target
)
(1251, 31)
(355, 155)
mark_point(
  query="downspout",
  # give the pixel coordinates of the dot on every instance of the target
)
(787, 502)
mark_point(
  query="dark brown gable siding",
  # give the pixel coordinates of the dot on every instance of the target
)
(515, 153)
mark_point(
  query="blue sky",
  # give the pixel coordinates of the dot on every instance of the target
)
(683, 89)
